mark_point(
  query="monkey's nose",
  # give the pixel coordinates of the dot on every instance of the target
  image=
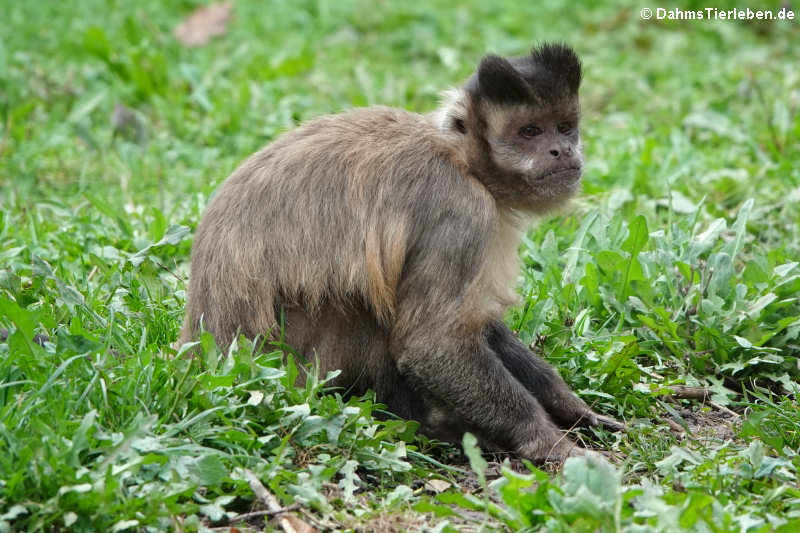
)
(554, 153)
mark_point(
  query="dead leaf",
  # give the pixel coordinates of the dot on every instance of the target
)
(298, 525)
(437, 485)
(204, 23)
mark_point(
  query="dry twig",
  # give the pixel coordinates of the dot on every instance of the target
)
(724, 409)
(290, 524)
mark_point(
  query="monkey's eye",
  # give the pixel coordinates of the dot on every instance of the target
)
(565, 128)
(530, 131)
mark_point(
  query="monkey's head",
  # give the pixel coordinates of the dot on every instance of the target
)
(518, 118)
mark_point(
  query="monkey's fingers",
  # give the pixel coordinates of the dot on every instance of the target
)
(609, 423)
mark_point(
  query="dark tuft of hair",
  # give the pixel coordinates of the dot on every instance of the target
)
(561, 62)
(549, 73)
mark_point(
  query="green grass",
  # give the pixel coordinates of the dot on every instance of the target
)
(678, 264)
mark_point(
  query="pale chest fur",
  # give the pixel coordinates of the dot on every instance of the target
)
(492, 291)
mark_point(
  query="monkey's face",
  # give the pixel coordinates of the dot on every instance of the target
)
(522, 116)
(540, 147)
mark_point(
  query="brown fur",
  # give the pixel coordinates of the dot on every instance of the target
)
(387, 241)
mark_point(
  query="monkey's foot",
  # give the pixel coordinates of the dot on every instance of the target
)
(555, 452)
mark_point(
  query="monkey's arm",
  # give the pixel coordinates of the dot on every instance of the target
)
(465, 376)
(439, 351)
(543, 381)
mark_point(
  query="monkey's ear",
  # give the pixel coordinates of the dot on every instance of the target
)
(499, 82)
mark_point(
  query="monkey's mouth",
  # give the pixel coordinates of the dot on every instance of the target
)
(568, 174)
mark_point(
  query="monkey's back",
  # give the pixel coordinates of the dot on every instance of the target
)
(327, 214)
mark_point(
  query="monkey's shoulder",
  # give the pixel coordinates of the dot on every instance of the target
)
(376, 118)
(383, 156)
(374, 129)
(371, 143)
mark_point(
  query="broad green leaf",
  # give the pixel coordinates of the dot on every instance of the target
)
(174, 235)
(705, 240)
(476, 460)
(637, 236)
(609, 261)
(577, 247)
(22, 318)
(350, 480)
(739, 227)
(208, 470)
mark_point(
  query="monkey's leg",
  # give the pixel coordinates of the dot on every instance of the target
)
(347, 338)
(544, 382)
(438, 421)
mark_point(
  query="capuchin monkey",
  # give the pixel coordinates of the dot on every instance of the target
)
(384, 243)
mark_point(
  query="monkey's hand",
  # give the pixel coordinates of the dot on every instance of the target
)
(563, 406)
(582, 416)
